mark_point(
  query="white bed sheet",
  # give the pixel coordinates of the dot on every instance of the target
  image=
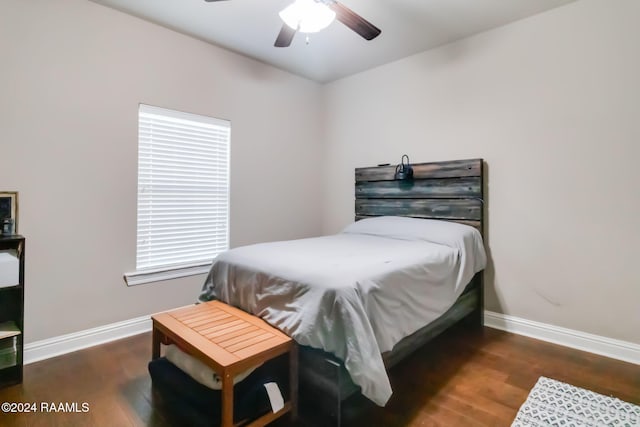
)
(353, 295)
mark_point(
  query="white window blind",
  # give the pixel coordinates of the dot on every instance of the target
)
(183, 189)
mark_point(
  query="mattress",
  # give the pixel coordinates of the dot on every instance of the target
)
(354, 294)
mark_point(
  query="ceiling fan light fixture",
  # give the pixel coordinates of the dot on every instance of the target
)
(307, 16)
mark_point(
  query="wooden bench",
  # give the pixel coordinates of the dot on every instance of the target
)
(229, 341)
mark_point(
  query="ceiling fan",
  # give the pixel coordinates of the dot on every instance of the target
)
(310, 16)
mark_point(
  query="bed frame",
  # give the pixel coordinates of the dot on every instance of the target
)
(450, 190)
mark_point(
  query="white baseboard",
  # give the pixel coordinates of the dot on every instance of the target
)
(616, 349)
(51, 347)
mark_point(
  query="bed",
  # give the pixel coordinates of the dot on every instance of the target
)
(353, 300)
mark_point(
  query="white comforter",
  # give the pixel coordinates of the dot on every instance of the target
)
(352, 294)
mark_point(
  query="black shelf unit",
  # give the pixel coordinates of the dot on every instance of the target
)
(12, 313)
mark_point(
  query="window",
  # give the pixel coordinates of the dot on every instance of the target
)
(183, 193)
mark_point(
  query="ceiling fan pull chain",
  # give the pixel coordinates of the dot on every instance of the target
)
(307, 39)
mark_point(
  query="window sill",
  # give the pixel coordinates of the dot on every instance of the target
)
(149, 276)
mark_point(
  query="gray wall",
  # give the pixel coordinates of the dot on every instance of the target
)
(552, 104)
(71, 78)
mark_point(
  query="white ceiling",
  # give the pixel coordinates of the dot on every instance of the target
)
(250, 27)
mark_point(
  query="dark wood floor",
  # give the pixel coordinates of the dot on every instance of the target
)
(465, 378)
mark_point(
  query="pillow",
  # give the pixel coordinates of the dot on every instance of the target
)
(446, 233)
(466, 240)
(198, 370)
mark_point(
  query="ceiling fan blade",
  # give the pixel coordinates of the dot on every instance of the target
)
(285, 36)
(354, 21)
(209, 1)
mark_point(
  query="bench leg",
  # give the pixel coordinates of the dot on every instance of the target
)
(155, 345)
(227, 400)
(293, 380)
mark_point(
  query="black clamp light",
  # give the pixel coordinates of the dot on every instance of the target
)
(404, 171)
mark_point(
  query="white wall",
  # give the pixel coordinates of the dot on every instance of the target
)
(552, 103)
(71, 76)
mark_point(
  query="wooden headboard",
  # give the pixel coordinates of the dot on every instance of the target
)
(451, 190)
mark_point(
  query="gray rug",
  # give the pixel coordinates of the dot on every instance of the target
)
(553, 403)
